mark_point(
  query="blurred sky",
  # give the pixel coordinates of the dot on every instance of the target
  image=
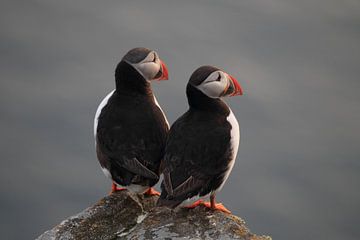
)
(297, 174)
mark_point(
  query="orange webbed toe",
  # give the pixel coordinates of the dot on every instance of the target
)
(152, 192)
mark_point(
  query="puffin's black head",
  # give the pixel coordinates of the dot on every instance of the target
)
(214, 82)
(147, 63)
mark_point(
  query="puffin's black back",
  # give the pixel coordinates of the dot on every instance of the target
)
(198, 145)
(131, 126)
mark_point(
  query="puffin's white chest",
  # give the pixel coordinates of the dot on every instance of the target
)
(98, 111)
(235, 132)
(234, 142)
(157, 104)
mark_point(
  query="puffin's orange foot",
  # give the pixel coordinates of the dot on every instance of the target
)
(151, 192)
(195, 204)
(115, 188)
(217, 206)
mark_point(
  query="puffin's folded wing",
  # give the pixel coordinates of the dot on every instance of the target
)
(189, 185)
(167, 183)
(133, 165)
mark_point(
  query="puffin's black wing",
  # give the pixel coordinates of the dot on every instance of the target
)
(197, 156)
(185, 187)
(132, 134)
(137, 167)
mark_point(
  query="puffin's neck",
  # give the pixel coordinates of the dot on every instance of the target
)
(129, 80)
(199, 101)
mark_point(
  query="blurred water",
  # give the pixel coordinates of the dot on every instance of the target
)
(297, 171)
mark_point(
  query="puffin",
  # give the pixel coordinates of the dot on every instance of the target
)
(130, 128)
(202, 144)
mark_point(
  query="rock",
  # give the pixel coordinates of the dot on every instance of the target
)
(125, 215)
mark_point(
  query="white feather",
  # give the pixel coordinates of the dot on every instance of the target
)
(190, 201)
(106, 172)
(136, 188)
(147, 68)
(132, 187)
(234, 141)
(157, 104)
(98, 111)
(211, 87)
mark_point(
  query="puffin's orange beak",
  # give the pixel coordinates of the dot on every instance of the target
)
(165, 72)
(237, 88)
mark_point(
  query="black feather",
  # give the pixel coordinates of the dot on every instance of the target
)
(198, 152)
(131, 131)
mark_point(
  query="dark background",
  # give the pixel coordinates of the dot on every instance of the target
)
(297, 172)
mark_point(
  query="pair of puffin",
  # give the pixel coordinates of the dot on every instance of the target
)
(134, 143)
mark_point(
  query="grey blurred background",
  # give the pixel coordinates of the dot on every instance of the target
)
(297, 172)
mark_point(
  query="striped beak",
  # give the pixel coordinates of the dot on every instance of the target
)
(233, 87)
(163, 73)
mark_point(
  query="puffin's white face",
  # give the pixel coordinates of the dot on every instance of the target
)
(150, 67)
(213, 86)
(219, 84)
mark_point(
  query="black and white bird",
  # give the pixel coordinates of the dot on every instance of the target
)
(130, 127)
(202, 144)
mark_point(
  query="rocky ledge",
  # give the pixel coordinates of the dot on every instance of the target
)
(124, 215)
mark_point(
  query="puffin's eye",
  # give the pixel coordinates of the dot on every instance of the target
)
(154, 59)
(219, 78)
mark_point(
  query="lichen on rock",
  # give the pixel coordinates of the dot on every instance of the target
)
(125, 215)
